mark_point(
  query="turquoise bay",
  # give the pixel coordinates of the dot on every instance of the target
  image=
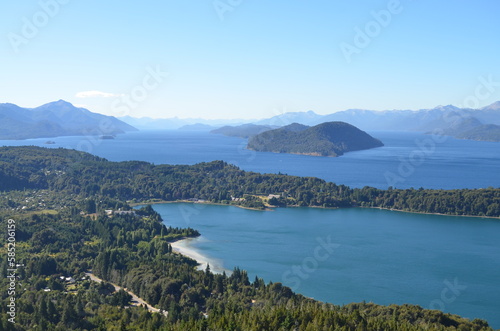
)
(437, 262)
(382, 256)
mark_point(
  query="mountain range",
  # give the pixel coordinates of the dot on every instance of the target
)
(59, 118)
(174, 123)
(443, 119)
(423, 120)
(462, 123)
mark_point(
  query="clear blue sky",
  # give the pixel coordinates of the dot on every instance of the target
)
(263, 58)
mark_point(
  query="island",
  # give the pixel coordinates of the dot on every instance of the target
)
(326, 139)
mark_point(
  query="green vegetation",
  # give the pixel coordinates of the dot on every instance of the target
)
(132, 250)
(326, 139)
(80, 174)
(71, 217)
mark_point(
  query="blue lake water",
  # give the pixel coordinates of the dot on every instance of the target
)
(407, 159)
(449, 263)
(350, 255)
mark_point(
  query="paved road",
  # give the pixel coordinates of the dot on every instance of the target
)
(136, 301)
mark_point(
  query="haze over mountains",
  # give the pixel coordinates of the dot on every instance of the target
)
(59, 118)
(463, 123)
(424, 120)
(173, 123)
(393, 120)
(244, 130)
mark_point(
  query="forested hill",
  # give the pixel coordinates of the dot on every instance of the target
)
(471, 128)
(326, 139)
(80, 173)
(58, 200)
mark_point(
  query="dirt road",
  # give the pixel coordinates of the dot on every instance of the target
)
(136, 301)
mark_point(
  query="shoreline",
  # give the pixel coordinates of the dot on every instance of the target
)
(183, 246)
(296, 206)
(436, 214)
(135, 204)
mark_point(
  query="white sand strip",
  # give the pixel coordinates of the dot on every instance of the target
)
(185, 247)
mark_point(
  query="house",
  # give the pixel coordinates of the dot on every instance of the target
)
(70, 280)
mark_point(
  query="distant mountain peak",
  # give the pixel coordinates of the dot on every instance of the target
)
(445, 108)
(57, 118)
(59, 102)
(494, 106)
(303, 117)
(8, 104)
(295, 113)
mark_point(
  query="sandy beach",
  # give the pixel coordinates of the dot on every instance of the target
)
(185, 247)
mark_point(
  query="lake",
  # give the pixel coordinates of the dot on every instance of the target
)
(448, 263)
(407, 159)
(350, 255)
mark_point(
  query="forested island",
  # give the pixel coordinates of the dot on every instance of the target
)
(72, 217)
(326, 139)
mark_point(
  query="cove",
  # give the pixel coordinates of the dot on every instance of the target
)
(353, 255)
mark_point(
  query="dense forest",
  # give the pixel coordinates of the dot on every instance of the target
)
(61, 238)
(326, 139)
(78, 173)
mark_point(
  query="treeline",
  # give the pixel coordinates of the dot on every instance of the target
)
(86, 175)
(54, 293)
